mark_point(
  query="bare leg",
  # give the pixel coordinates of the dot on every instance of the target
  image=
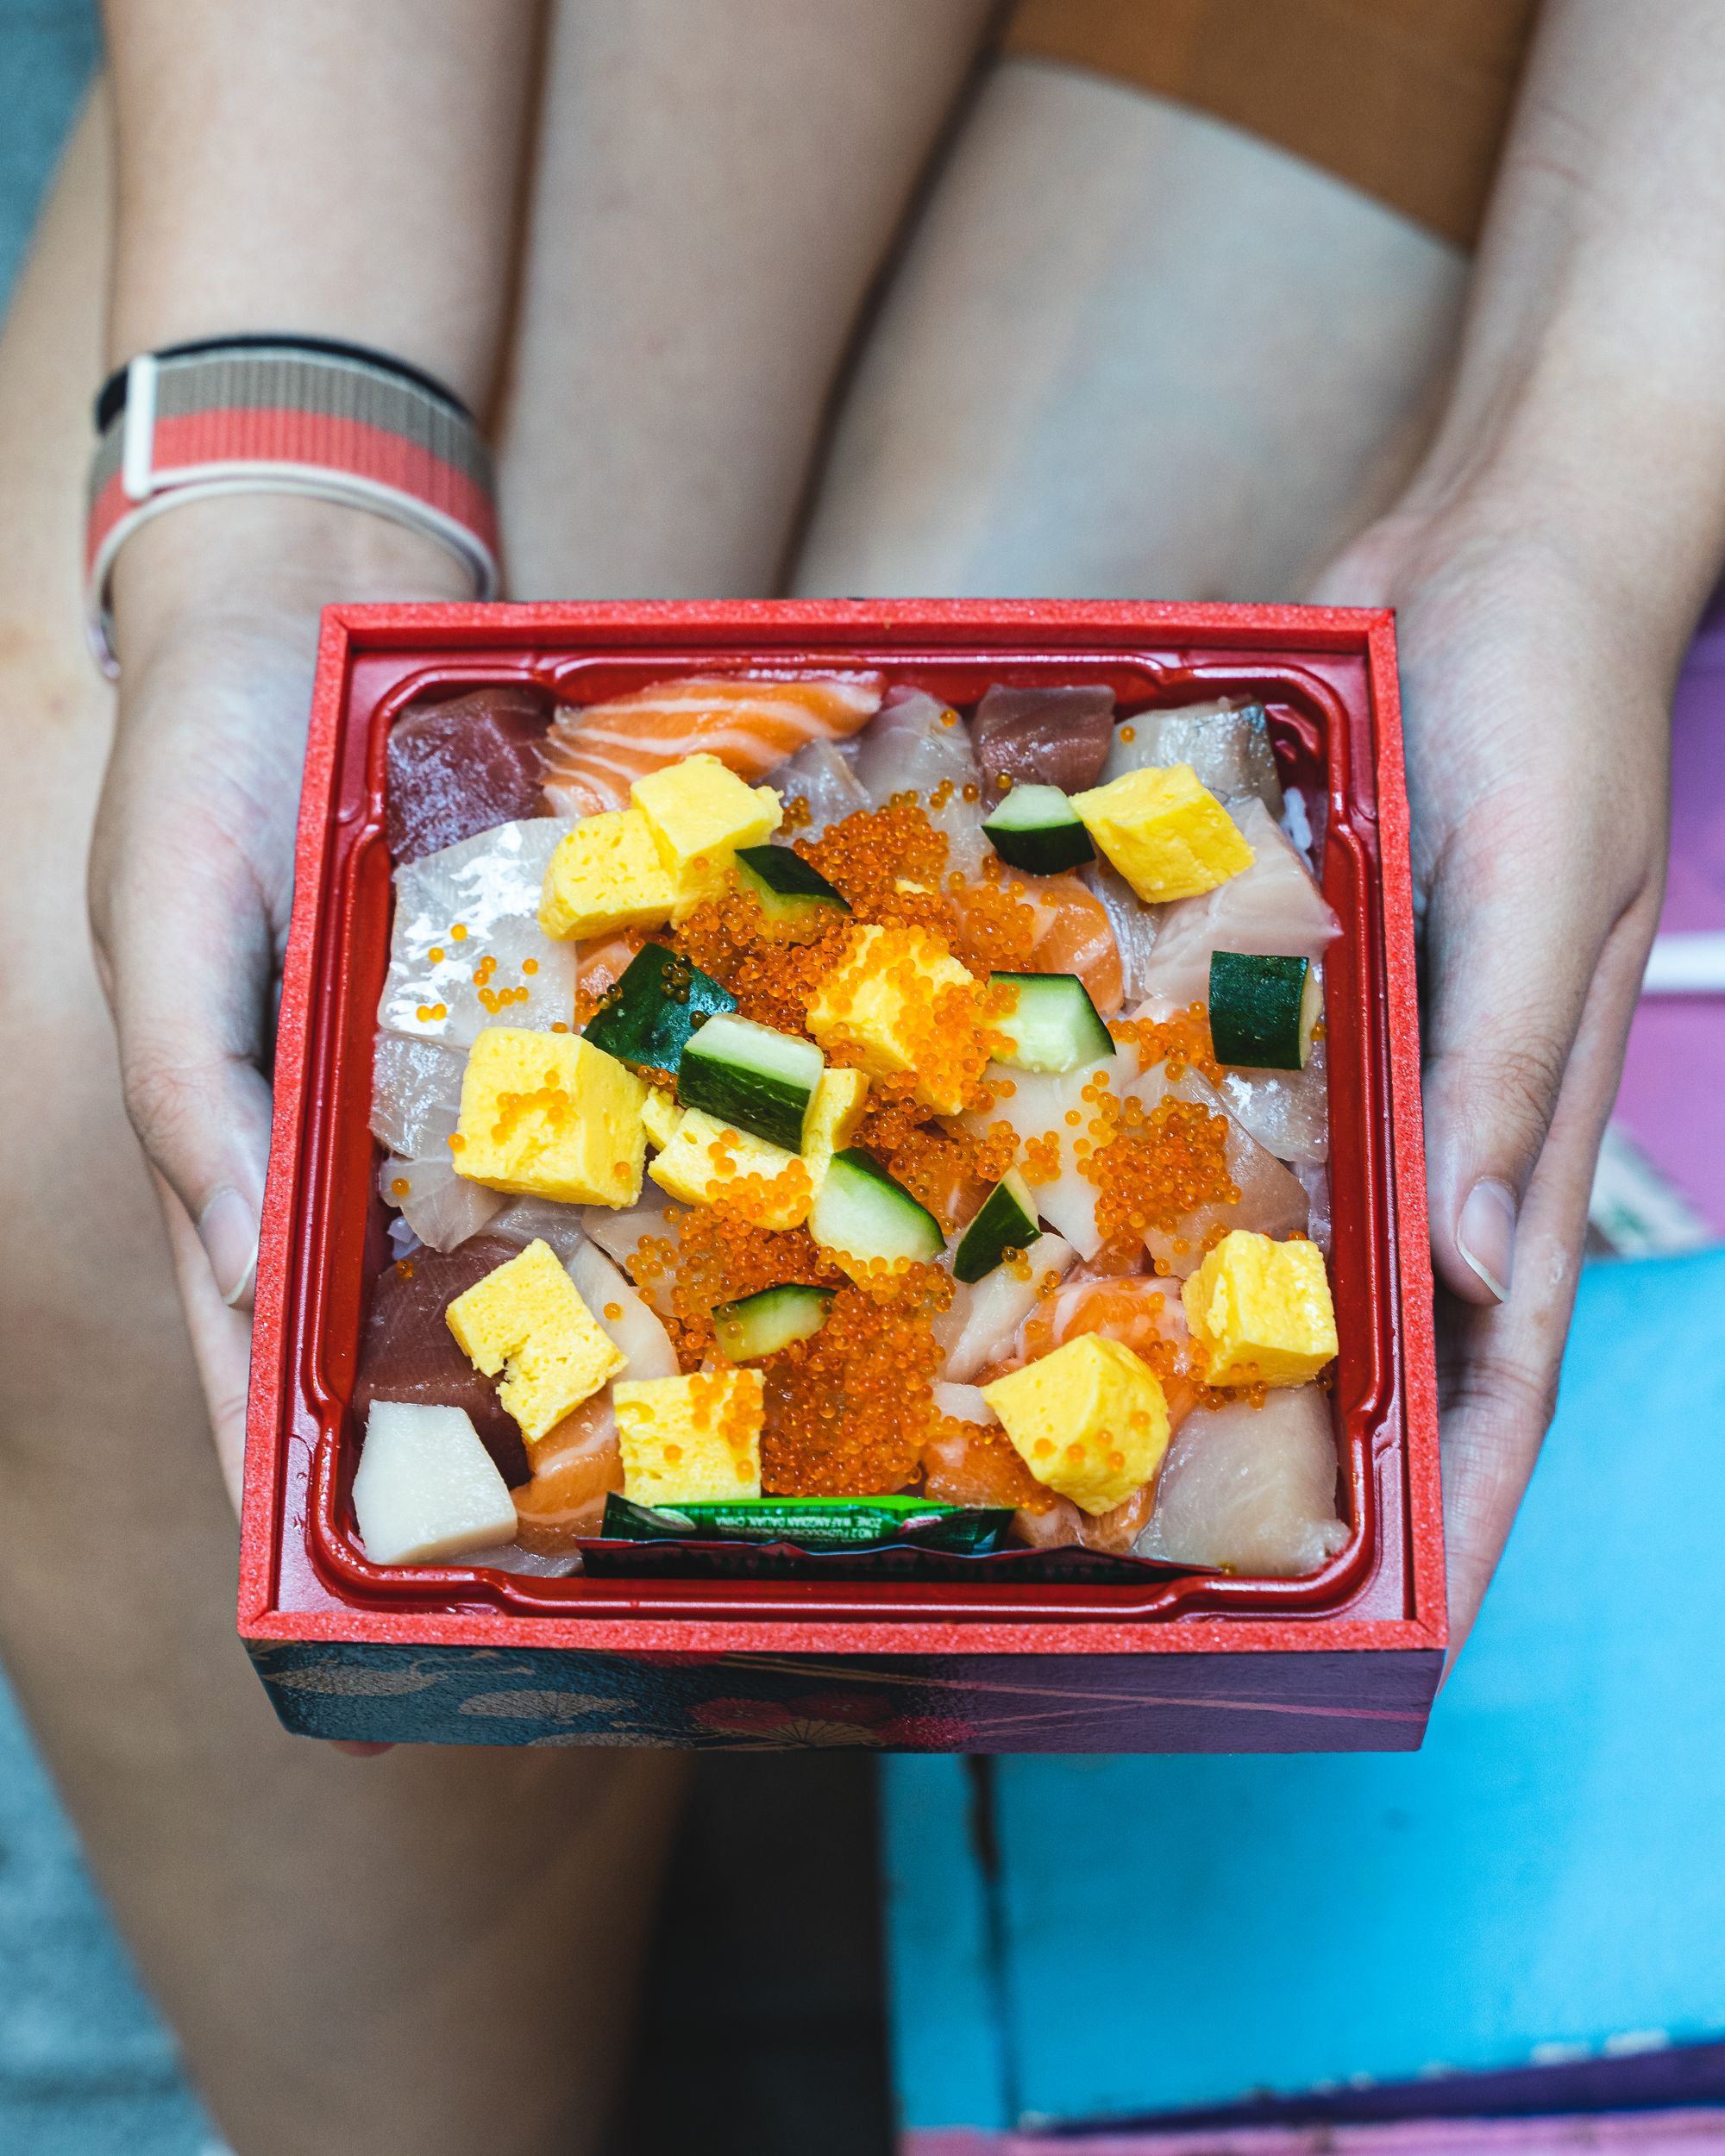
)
(718, 186)
(434, 1951)
(1132, 352)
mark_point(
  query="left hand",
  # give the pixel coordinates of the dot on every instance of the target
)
(1535, 709)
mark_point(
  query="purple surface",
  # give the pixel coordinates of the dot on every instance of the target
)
(1676, 1063)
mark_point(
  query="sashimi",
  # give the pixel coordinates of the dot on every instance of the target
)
(443, 1208)
(1133, 924)
(467, 950)
(1058, 1524)
(574, 1468)
(1051, 1111)
(408, 1352)
(752, 721)
(983, 1320)
(1251, 1489)
(416, 1094)
(1227, 744)
(1288, 1111)
(1270, 1201)
(822, 775)
(460, 768)
(919, 745)
(1273, 907)
(968, 1463)
(1043, 737)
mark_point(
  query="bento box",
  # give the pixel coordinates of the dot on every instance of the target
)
(965, 1655)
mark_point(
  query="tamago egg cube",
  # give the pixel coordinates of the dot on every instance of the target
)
(547, 1115)
(1090, 1420)
(689, 1440)
(1260, 1311)
(1169, 837)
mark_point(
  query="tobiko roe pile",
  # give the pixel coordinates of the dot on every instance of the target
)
(944, 1121)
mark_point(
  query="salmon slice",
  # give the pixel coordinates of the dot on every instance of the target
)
(1073, 935)
(575, 1466)
(752, 722)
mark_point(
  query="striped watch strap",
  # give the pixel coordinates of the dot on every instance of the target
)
(259, 415)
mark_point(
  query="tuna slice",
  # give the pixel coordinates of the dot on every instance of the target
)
(1273, 908)
(458, 768)
(1252, 1490)
(918, 745)
(823, 776)
(466, 940)
(408, 1352)
(752, 722)
(1226, 744)
(1042, 737)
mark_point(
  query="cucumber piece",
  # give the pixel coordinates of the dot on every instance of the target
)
(1052, 1025)
(1037, 827)
(861, 1214)
(1262, 1010)
(749, 1076)
(649, 1014)
(1007, 1222)
(791, 894)
(762, 1324)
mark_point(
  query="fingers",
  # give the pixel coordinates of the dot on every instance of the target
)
(1498, 1366)
(221, 1338)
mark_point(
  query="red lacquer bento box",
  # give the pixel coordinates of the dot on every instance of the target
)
(1348, 1658)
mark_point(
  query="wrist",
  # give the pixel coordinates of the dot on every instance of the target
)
(269, 561)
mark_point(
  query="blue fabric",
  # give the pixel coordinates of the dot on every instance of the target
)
(1543, 1881)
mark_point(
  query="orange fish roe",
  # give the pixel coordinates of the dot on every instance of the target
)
(1152, 1170)
(719, 1256)
(551, 1101)
(849, 1409)
(399, 1187)
(888, 862)
(948, 1170)
(798, 813)
(458, 934)
(404, 1266)
(977, 1464)
(1183, 1042)
(435, 954)
(775, 972)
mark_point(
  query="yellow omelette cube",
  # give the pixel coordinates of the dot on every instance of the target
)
(1169, 837)
(547, 1115)
(1090, 1420)
(527, 1318)
(902, 1002)
(606, 874)
(706, 1160)
(1260, 1313)
(688, 1440)
(701, 812)
(834, 1112)
(659, 1116)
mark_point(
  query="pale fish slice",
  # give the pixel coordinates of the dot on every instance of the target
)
(442, 1207)
(918, 745)
(501, 968)
(1273, 908)
(985, 1318)
(1227, 743)
(1251, 1489)
(1271, 1201)
(823, 775)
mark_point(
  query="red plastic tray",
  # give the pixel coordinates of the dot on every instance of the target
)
(1328, 680)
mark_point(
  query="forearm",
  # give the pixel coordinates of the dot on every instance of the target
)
(1591, 379)
(318, 167)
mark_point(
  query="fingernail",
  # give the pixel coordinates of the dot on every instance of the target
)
(228, 1231)
(1485, 1235)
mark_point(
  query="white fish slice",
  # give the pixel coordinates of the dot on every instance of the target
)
(986, 1318)
(1273, 907)
(1252, 1490)
(442, 1207)
(915, 745)
(822, 773)
(1227, 743)
(489, 887)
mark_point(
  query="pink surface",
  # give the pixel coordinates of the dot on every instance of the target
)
(1673, 1074)
(1690, 2133)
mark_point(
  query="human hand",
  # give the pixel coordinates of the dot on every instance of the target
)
(217, 610)
(1535, 705)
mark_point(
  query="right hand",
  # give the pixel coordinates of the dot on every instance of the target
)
(216, 608)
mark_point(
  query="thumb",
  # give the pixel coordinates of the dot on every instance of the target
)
(188, 959)
(1523, 927)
